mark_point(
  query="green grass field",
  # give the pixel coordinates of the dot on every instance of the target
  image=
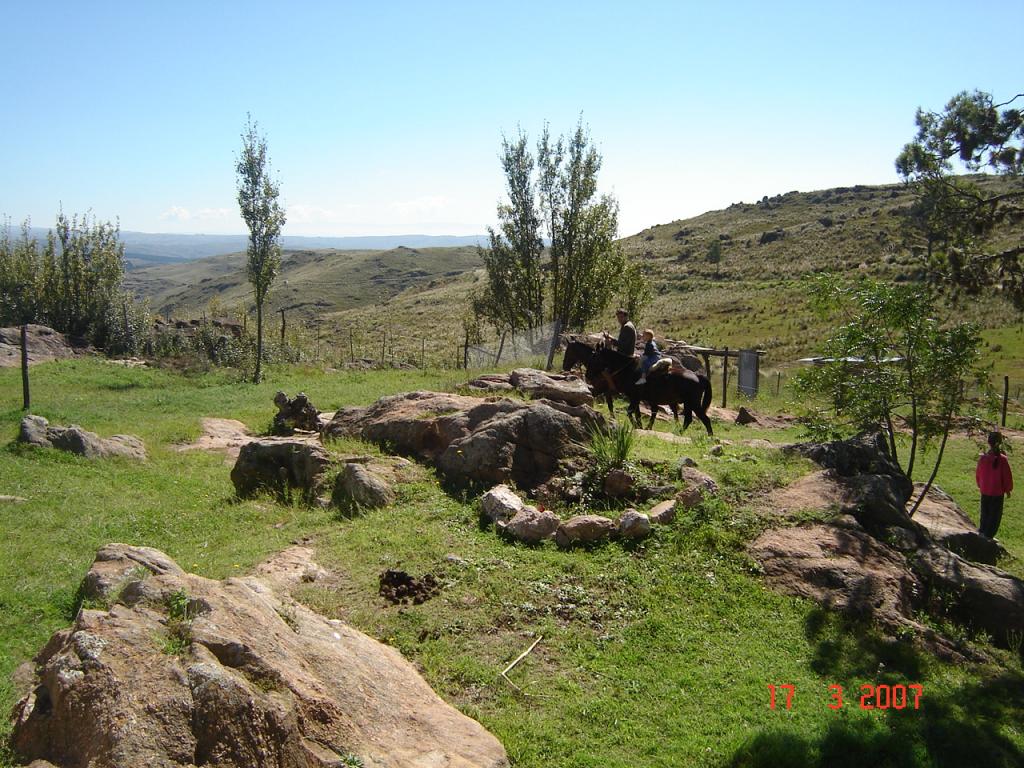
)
(658, 654)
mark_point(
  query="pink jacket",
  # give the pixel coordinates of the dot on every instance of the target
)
(993, 475)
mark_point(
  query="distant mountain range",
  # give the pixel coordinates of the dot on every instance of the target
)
(143, 249)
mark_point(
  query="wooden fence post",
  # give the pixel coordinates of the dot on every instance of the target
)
(423, 353)
(465, 353)
(282, 327)
(318, 338)
(1006, 394)
(778, 382)
(26, 397)
(725, 377)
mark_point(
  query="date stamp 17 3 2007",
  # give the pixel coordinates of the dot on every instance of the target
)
(882, 696)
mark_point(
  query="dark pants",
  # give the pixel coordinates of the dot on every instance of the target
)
(991, 515)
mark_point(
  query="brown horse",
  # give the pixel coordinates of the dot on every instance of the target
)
(610, 373)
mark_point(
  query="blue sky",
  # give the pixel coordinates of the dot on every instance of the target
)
(386, 117)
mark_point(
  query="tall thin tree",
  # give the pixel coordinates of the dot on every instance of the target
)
(258, 201)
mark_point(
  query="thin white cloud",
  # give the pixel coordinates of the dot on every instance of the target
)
(175, 213)
(178, 213)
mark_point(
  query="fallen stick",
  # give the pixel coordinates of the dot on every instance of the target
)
(521, 656)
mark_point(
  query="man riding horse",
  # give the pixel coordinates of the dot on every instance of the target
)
(609, 372)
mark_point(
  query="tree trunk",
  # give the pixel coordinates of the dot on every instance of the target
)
(938, 461)
(501, 347)
(26, 397)
(554, 343)
(257, 376)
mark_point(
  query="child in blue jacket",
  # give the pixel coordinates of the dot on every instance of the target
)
(650, 357)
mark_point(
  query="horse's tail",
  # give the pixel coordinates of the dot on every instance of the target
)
(706, 401)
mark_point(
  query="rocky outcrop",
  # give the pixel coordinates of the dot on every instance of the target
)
(225, 435)
(872, 559)
(35, 430)
(44, 344)
(878, 490)
(841, 567)
(185, 671)
(547, 386)
(537, 385)
(295, 413)
(951, 528)
(980, 596)
(474, 442)
(280, 466)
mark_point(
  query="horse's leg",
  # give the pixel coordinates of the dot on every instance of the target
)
(634, 413)
(610, 398)
(654, 415)
(675, 411)
(687, 416)
(706, 421)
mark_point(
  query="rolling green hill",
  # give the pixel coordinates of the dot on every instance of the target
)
(310, 281)
(751, 295)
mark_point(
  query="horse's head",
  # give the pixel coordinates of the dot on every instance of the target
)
(576, 353)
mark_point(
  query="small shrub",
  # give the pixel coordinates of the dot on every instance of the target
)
(180, 612)
(612, 446)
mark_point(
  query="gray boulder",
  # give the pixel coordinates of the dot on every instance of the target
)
(501, 504)
(699, 486)
(44, 344)
(280, 465)
(548, 386)
(357, 484)
(530, 525)
(584, 529)
(983, 596)
(663, 513)
(35, 430)
(634, 525)
(617, 483)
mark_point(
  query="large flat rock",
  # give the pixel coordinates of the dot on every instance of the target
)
(258, 680)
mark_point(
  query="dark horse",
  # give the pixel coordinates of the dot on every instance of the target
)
(579, 353)
(610, 373)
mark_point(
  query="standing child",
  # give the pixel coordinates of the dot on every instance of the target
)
(995, 481)
(650, 357)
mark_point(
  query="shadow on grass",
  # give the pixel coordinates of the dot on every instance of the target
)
(953, 729)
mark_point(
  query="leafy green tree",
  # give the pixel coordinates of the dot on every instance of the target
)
(635, 291)
(586, 264)
(585, 268)
(71, 284)
(954, 218)
(21, 298)
(892, 365)
(258, 201)
(514, 297)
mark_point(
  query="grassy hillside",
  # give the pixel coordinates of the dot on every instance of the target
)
(310, 281)
(656, 655)
(752, 296)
